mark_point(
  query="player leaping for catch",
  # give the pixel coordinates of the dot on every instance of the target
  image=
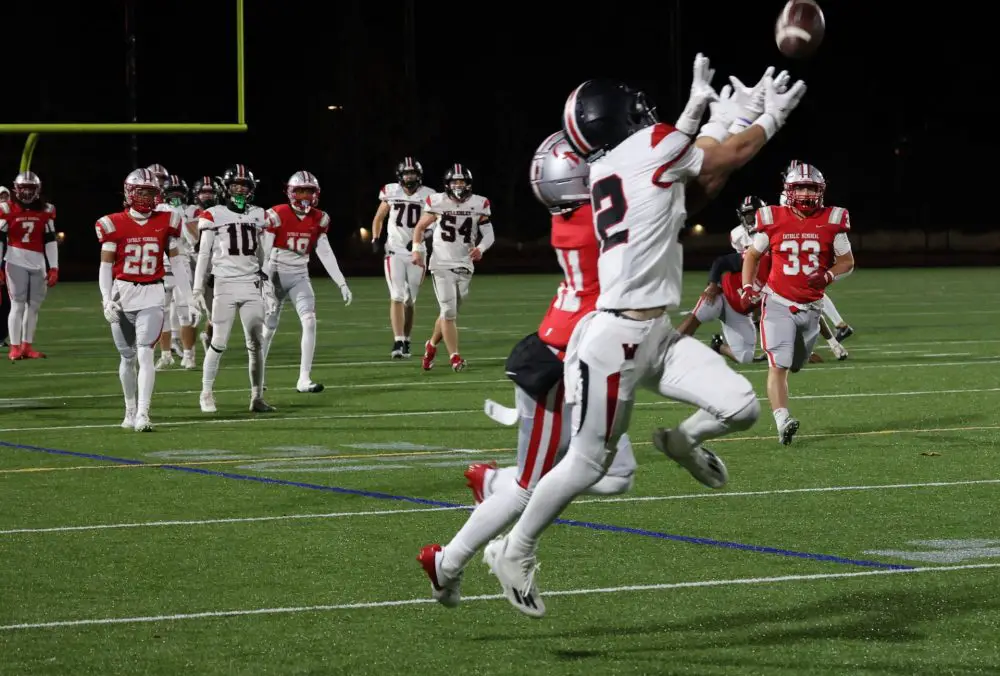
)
(293, 230)
(810, 250)
(640, 172)
(133, 243)
(403, 203)
(230, 239)
(459, 216)
(559, 178)
(27, 247)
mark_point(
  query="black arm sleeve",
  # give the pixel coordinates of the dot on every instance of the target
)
(728, 263)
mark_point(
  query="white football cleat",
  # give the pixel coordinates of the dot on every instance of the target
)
(517, 577)
(142, 423)
(166, 360)
(129, 422)
(207, 401)
(838, 351)
(305, 386)
(188, 362)
(703, 465)
(787, 431)
(447, 592)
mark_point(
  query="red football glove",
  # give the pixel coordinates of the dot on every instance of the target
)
(820, 280)
(52, 277)
(749, 294)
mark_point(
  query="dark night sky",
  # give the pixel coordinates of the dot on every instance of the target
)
(490, 86)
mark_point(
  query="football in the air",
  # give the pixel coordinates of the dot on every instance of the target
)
(800, 28)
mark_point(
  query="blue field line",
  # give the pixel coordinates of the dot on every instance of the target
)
(828, 558)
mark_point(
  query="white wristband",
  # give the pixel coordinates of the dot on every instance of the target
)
(420, 248)
(768, 124)
(714, 130)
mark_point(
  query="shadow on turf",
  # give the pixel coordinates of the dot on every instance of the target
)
(864, 616)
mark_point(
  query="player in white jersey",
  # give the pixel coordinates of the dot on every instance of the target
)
(207, 192)
(178, 329)
(293, 230)
(842, 330)
(403, 203)
(230, 239)
(639, 172)
(459, 217)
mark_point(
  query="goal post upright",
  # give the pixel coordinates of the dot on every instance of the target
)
(35, 129)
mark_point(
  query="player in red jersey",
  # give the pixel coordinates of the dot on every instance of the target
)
(27, 248)
(810, 250)
(133, 243)
(722, 300)
(294, 229)
(559, 178)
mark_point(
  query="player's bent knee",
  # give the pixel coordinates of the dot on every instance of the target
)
(743, 355)
(127, 353)
(612, 485)
(747, 413)
(449, 312)
(397, 297)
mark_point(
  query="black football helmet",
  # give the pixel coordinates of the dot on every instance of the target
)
(175, 191)
(239, 185)
(458, 182)
(747, 211)
(600, 114)
(206, 192)
(409, 173)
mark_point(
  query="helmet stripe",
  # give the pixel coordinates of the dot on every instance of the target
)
(569, 122)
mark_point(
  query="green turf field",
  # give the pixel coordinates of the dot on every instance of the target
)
(234, 543)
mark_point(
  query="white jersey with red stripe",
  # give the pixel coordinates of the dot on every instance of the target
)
(637, 191)
(456, 229)
(234, 254)
(405, 210)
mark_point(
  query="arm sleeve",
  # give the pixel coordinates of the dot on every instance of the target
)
(841, 244)
(486, 229)
(761, 242)
(105, 280)
(204, 255)
(325, 254)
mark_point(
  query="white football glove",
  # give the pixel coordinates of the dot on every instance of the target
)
(193, 313)
(112, 311)
(739, 106)
(270, 297)
(778, 105)
(198, 300)
(701, 94)
(346, 293)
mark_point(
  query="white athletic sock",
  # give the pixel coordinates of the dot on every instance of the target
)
(830, 310)
(505, 476)
(189, 353)
(30, 321)
(15, 322)
(573, 475)
(780, 416)
(833, 343)
(485, 523)
(147, 378)
(308, 347)
(127, 374)
(256, 371)
(399, 338)
(210, 368)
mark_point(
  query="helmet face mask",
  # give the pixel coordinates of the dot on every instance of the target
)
(239, 185)
(458, 182)
(302, 191)
(142, 191)
(27, 187)
(804, 187)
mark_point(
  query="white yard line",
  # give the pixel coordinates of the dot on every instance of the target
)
(448, 412)
(419, 510)
(694, 584)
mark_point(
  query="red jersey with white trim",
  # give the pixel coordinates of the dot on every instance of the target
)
(139, 247)
(26, 231)
(801, 246)
(733, 281)
(637, 192)
(577, 249)
(295, 234)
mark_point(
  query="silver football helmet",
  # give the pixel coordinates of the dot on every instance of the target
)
(298, 191)
(560, 178)
(27, 187)
(804, 187)
(142, 191)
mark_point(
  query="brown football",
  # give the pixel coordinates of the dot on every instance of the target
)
(799, 29)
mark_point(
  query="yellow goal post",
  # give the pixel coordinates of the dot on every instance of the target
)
(34, 130)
